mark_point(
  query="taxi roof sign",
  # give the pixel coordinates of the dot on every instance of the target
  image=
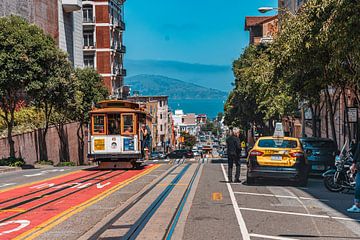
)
(279, 130)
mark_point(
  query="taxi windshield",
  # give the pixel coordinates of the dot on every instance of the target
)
(277, 143)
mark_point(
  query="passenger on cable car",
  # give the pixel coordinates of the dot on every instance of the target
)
(128, 130)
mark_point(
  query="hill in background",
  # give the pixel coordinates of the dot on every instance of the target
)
(174, 88)
(213, 76)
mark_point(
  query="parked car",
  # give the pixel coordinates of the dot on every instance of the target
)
(157, 155)
(182, 153)
(196, 153)
(278, 158)
(320, 152)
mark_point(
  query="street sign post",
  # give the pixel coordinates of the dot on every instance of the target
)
(352, 114)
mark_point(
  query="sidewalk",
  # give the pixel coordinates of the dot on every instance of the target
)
(4, 169)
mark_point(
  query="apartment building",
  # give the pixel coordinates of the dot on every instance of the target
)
(103, 48)
(61, 19)
(292, 5)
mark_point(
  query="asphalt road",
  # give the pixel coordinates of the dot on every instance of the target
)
(191, 199)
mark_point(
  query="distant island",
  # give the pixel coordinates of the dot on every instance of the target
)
(176, 89)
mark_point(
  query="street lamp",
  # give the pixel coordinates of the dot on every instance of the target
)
(266, 9)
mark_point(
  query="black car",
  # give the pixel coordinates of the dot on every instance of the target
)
(320, 152)
(182, 153)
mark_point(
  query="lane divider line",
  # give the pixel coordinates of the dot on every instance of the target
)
(299, 214)
(280, 196)
(270, 237)
(244, 231)
(52, 222)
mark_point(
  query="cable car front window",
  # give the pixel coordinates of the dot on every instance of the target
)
(128, 124)
(113, 124)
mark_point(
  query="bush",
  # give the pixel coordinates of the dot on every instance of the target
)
(12, 162)
(45, 162)
(26, 119)
(66, 164)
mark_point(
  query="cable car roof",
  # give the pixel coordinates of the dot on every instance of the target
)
(116, 110)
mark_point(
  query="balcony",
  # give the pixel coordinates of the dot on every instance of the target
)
(119, 25)
(71, 5)
(89, 47)
(121, 49)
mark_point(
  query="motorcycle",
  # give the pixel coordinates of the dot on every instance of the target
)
(340, 178)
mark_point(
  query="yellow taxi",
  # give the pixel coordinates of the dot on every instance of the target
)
(278, 157)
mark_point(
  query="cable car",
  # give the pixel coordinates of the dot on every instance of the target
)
(114, 139)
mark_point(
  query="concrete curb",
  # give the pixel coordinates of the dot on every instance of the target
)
(9, 169)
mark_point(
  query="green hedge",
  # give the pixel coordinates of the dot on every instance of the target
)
(12, 162)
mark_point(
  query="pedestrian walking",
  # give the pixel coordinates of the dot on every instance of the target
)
(356, 167)
(234, 151)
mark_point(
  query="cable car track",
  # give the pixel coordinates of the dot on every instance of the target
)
(141, 222)
(60, 197)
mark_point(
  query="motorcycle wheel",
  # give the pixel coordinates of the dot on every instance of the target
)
(331, 185)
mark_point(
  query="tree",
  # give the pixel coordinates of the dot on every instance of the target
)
(23, 50)
(53, 88)
(189, 140)
(92, 90)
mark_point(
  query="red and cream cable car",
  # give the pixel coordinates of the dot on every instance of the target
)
(114, 139)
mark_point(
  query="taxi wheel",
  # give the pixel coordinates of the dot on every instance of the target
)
(303, 182)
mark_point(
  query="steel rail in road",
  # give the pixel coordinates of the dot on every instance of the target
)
(63, 196)
(139, 225)
(43, 189)
(100, 231)
(172, 225)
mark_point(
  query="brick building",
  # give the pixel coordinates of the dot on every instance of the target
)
(61, 19)
(103, 27)
(261, 28)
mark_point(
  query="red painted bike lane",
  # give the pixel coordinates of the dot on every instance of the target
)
(21, 211)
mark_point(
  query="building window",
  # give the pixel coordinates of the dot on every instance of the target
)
(161, 127)
(88, 38)
(161, 103)
(88, 15)
(160, 115)
(89, 61)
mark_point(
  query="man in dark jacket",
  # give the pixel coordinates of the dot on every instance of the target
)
(234, 151)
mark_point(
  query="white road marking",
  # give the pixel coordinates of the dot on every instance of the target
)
(299, 214)
(6, 184)
(44, 172)
(240, 219)
(270, 237)
(280, 196)
(22, 224)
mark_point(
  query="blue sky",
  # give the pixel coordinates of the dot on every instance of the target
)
(194, 31)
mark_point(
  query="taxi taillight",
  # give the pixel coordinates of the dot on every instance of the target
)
(296, 154)
(256, 153)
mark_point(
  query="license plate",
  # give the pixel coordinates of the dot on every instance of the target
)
(276, 158)
(318, 167)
